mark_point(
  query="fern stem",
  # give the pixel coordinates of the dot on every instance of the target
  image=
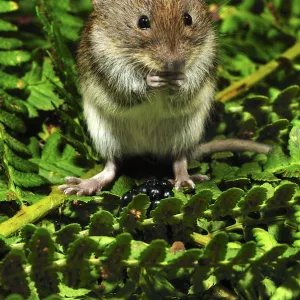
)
(32, 213)
(242, 86)
(6, 166)
(241, 225)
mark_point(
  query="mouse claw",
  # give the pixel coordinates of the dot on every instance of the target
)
(71, 191)
(184, 183)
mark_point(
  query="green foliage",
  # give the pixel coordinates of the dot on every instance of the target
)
(12, 273)
(235, 236)
(41, 257)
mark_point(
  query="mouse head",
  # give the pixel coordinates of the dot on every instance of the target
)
(164, 35)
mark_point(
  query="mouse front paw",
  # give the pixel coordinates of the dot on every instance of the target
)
(154, 80)
(81, 187)
(162, 79)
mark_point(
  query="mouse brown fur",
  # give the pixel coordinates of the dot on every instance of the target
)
(147, 72)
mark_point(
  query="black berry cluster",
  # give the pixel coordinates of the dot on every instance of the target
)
(156, 190)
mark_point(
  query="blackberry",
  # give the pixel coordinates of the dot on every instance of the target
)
(127, 197)
(167, 193)
(57, 225)
(152, 182)
(165, 183)
(156, 190)
(143, 189)
(155, 193)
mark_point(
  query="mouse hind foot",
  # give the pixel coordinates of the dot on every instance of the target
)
(91, 186)
(182, 177)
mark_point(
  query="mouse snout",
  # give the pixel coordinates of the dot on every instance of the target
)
(175, 66)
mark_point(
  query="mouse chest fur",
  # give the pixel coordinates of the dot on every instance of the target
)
(151, 127)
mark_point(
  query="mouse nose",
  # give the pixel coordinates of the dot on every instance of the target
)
(175, 65)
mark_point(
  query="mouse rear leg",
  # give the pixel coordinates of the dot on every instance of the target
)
(182, 177)
(87, 187)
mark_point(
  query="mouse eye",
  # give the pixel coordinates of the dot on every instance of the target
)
(144, 22)
(188, 21)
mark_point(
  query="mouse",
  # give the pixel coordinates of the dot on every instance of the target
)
(147, 73)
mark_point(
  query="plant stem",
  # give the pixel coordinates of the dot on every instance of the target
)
(242, 86)
(241, 225)
(30, 214)
(6, 166)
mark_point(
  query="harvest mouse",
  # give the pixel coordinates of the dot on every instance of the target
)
(147, 72)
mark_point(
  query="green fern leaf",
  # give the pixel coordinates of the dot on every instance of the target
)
(296, 211)
(281, 104)
(265, 176)
(264, 239)
(12, 122)
(283, 193)
(135, 212)
(271, 131)
(70, 293)
(41, 257)
(14, 297)
(4, 247)
(15, 144)
(10, 82)
(273, 254)
(247, 252)
(6, 26)
(294, 145)
(122, 185)
(209, 185)
(127, 290)
(10, 43)
(216, 249)
(256, 196)
(249, 169)
(155, 283)
(199, 279)
(12, 104)
(19, 163)
(276, 160)
(8, 6)
(77, 272)
(290, 287)
(67, 235)
(227, 201)
(56, 163)
(165, 210)
(117, 251)
(26, 180)
(292, 171)
(196, 206)
(26, 234)
(42, 95)
(223, 171)
(154, 254)
(247, 285)
(185, 258)
(14, 58)
(102, 224)
(12, 274)
(269, 287)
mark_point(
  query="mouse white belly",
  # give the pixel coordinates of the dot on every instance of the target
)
(152, 127)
